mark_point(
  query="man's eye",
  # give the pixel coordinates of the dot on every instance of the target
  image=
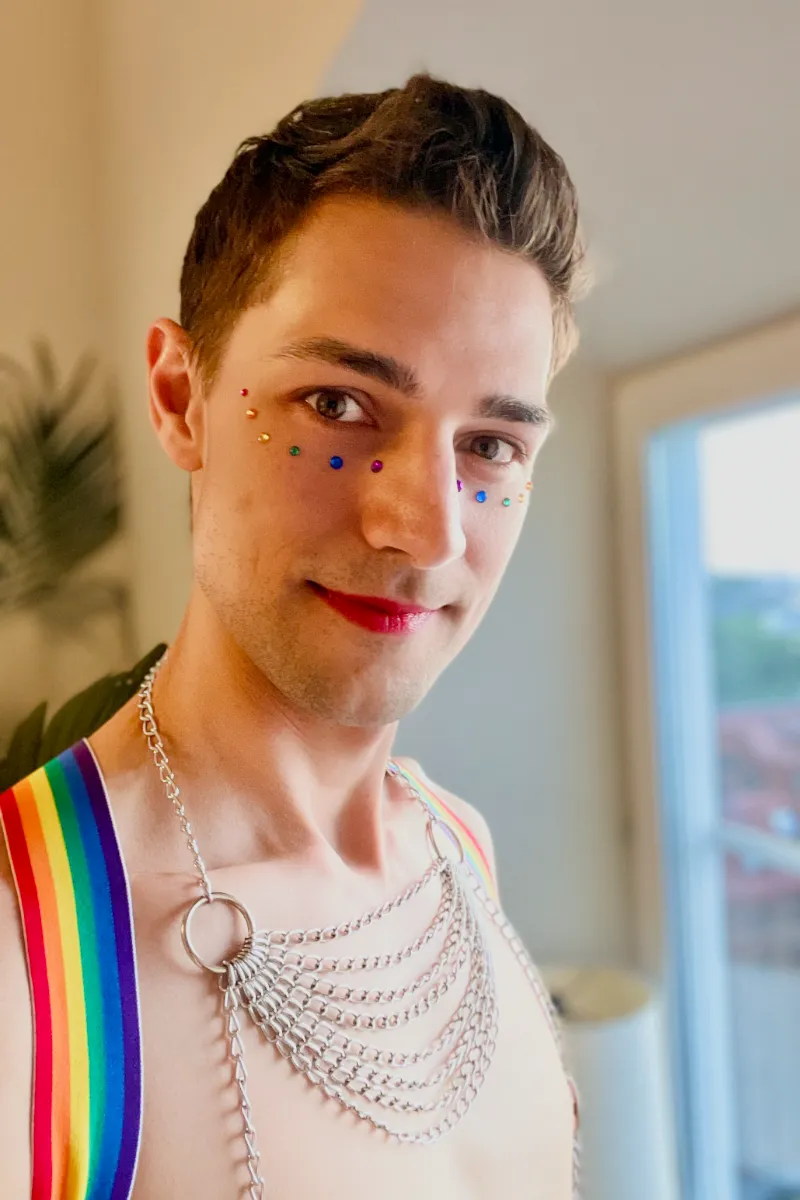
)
(493, 449)
(334, 406)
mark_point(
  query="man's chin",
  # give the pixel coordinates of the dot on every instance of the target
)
(365, 681)
(372, 699)
(371, 708)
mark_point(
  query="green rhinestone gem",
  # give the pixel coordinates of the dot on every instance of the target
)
(295, 450)
(506, 502)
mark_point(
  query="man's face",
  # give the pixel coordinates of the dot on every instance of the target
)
(393, 337)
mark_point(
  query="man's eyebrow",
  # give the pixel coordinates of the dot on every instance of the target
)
(403, 378)
(382, 367)
(509, 408)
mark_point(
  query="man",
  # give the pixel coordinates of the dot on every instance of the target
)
(373, 303)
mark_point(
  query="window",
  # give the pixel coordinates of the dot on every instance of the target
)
(707, 470)
(724, 495)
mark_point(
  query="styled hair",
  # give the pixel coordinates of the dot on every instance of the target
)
(429, 145)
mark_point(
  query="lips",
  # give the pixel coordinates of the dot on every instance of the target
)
(376, 613)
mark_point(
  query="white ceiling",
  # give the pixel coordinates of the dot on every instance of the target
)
(680, 124)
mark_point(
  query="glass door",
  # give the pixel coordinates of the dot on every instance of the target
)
(723, 540)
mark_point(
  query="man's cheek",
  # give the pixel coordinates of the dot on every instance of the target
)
(246, 496)
(495, 554)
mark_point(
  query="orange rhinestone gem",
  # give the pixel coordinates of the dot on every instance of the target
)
(263, 437)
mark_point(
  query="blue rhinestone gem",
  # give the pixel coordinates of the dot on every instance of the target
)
(337, 463)
(480, 497)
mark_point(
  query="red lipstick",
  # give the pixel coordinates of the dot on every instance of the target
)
(376, 613)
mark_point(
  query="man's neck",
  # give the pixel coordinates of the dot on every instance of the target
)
(261, 778)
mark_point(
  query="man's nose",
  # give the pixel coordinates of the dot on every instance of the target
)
(413, 503)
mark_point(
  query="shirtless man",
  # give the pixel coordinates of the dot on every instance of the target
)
(374, 301)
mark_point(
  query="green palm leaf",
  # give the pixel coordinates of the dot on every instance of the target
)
(60, 485)
(33, 743)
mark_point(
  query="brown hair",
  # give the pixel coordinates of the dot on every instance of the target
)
(429, 145)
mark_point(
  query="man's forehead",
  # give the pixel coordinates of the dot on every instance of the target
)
(419, 293)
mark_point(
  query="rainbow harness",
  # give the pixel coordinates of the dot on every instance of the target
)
(86, 1112)
(474, 855)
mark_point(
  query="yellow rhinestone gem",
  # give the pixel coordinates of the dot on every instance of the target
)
(263, 437)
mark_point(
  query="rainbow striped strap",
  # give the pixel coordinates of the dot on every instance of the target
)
(474, 855)
(86, 1111)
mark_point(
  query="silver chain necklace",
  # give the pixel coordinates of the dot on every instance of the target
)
(317, 1022)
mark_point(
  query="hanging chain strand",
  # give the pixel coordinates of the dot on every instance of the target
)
(255, 1189)
(150, 731)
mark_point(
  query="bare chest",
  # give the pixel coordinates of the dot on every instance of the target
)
(515, 1140)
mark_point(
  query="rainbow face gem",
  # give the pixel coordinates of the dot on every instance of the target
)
(481, 497)
(506, 502)
(337, 463)
(251, 413)
(294, 451)
(263, 438)
(459, 485)
(243, 392)
(377, 465)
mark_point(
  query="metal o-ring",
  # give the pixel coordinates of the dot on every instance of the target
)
(214, 898)
(432, 843)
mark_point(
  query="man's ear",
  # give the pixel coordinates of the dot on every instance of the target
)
(176, 400)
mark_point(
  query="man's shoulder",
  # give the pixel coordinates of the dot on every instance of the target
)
(12, 944)
(16, 1037)
(7, 890)
(467, 813)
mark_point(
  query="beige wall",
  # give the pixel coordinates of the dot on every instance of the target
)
(49, 249)
(50, 267)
